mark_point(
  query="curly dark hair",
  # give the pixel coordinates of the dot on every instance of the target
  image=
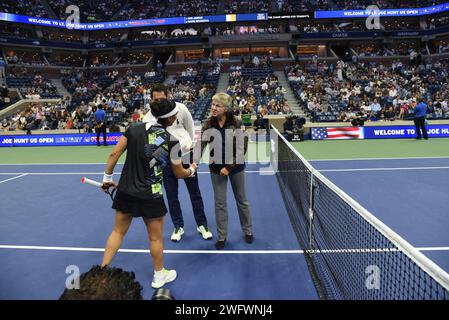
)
(105, 284)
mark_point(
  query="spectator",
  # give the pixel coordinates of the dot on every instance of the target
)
(105, 284)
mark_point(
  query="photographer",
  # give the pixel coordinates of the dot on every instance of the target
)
(261, 124)
(294, 128)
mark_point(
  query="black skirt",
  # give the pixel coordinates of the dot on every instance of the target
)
(149, 209)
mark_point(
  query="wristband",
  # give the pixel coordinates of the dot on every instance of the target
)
(107, 178)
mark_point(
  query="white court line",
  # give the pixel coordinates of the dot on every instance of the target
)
(382, 169)
(367, 159)
(21, 175)
(101, 173)
(262, 161)
(148, 251)
(48, 248)
(248, 162)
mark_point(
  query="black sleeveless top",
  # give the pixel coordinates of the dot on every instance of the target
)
(138, 178)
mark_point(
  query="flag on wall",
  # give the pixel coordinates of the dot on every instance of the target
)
(324, 133)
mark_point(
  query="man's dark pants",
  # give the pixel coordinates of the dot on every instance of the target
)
(420, 124)
(171, 188)
(99, 130)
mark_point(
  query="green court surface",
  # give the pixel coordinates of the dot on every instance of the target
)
(312, 150)
(367, 149)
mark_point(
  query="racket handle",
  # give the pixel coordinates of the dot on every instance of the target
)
(91, 182)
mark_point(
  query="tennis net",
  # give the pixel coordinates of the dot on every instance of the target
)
(350, 253)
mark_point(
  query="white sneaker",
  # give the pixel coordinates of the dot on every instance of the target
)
(177, 234)
(162, 277)
(205, 232)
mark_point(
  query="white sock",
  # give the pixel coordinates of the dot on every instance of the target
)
(160, 272)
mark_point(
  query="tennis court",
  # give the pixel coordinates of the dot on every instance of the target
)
(50, 220)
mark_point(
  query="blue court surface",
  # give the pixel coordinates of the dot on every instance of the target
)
(409, 195)
(60, 222)
(49, 221)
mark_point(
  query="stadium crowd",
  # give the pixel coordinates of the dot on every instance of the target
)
(370, 91)
(103, 10)
(124, 97)
(246, 6)
(255, 89)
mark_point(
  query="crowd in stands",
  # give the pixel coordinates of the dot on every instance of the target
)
(39, 116)
(413, 4)
(410, 49)
(90, 11)
(441, 46)
(104, 10)
(32, 86)
(27, 8)
(19, 57)
(193, 8)
(195, 85)
(255, 89)
(141, 9)
(370, 92)
(72, 59)
(16, 31)
(124, 97)
(246, 6)
(362, 4)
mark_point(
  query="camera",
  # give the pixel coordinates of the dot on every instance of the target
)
(358, 122)
(294, 128)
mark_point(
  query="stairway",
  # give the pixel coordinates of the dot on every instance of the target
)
(223, 82)
(60, 88)
(49, 9)
(290, 96)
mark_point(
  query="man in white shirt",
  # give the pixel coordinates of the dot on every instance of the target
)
(183, 130)
(375, 107)
(264, 88)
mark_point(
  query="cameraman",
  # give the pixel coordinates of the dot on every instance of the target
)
(294, 128)
(288, 124)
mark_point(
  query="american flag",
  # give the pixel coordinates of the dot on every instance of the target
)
(337, 133)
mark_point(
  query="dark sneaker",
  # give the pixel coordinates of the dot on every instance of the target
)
(249, 238)
(220, 244)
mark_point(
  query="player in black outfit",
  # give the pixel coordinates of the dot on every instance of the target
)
(139, 191)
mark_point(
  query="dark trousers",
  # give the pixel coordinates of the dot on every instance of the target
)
(99, 130)
(420, 125)
(171, 188)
